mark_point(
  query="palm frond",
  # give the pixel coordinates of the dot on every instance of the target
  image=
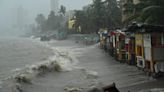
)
(152, 14)
(132, 17)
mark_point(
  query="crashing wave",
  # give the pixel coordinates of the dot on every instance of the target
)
(61, 61)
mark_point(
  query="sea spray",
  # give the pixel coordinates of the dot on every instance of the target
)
(91, 74)
(65, 59)
(62, 55)
(34, 71)
(23, 78)
(62, 60)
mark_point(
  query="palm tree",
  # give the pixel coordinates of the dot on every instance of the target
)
(153, 13)
(148, 11)
(62, 10)
(113, 13)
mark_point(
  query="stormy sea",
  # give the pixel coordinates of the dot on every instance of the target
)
(28, 58)
(29, 65)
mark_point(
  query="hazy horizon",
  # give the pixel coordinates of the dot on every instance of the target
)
(8, 9)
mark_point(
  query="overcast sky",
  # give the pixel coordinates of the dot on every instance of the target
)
(41, 5)
(75, 4)
(33, 7)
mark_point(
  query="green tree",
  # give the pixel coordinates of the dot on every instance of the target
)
(128, 10)
(113, 14)
(40, 19)
(106, 14)
(148, 11)
(153, 13)
(52, 21)
(98, 13)
(83, 21)
(62, 10)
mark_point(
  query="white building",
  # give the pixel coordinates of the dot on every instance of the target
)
(54, 5)
(19, 17)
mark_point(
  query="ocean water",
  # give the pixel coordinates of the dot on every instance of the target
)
(21, 56)
(82, 66)
(19, 53)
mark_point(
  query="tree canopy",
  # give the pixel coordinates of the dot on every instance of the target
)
(62, 10)
(53, 22)
(148, 11)
(40, 19)
(99, 14)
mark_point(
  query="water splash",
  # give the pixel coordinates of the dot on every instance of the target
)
(62, 60)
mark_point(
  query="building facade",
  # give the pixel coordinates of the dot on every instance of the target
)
(21, 19)
(149, 46)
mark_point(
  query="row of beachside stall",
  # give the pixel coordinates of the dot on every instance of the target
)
(137, 44)
(113, 42)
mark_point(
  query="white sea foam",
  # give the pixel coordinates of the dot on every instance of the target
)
(16, 70)
(64, 57)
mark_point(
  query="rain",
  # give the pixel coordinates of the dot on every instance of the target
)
(81, 46)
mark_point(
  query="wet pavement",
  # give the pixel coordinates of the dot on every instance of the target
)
(94, 67)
